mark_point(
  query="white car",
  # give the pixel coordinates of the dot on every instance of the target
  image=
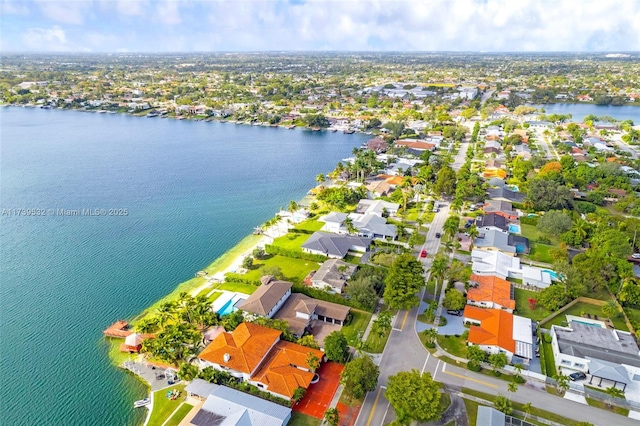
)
(636, 255)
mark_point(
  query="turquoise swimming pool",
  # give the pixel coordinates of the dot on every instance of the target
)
(514, 229)
(227, 308)
(554, 276)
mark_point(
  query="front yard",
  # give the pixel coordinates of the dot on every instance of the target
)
(454, 345)
(522, 305)
(359, 321)
(294, 270)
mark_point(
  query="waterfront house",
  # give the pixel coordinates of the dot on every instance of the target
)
(335, 246)
(492, 221)
(378, 207)
(268, 298)
(256, 354)
(498, 331)
(230, 407)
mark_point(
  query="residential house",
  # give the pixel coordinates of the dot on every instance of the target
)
(488, 291)
(335, 246)
(379, 188)
(505, 194)
(498, 331)
(274, 299)
(485, 262)
(502, 208)
(522, 151)
(230, 407)
(256, 354)
(496, 239)
(539, 124)
(305, 314)
(368, 225)
(268, 298)
(488, 416)
(378, 207)
(496, 181)
(416, 147)
(492, 147)
(492, 221)
(523, 135)
(333, 274)
(491, 171)
(606, 354)
(584, 98)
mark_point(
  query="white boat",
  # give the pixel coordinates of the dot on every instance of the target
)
(142, 403)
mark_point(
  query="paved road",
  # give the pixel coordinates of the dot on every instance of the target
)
(617, 140)
(542, 142)
(405, 352)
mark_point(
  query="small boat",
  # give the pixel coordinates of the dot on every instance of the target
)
(142, 403)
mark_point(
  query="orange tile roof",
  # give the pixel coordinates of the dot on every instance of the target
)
(416, 145)
(491, 289)
(247, 345)
(280, 372)
(495, 329)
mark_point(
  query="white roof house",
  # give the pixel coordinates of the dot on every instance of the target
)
(505, 266)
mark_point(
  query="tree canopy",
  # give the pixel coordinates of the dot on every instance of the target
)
(414, 397)
(360, 376)
(336, 347)
(403, 282)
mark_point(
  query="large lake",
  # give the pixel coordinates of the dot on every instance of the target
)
(192, 190)
(579, 111)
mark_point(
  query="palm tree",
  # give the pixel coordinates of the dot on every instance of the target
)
(614, 392)
(430, 334)
(166, 312)
(451, 226)
(562, 382)
(456, 204)
(512, 388)
(438, 270)
(348, 223)
(293, 206)
(527, 410)
(320, 179)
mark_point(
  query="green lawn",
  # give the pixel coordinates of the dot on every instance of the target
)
(454, 345)
(214, 295)
(163, 407)
(603, 406)
(350, 258)
(375, 343)
(541, 252)
(522, 305)
(310, 225)
(472, 411)
(294, 270)
(299, 419)
(291, 241)
(533, 234)
(239, 287)
(549, 359)
(177, 417)
(587, 308)
(358, 323)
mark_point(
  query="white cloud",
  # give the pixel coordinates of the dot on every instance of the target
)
(46, 39)
(10, 7)
(168, 12)
(66, 12)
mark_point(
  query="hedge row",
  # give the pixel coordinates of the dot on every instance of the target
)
(301, 231)
(232, 279)
(327, 297)
(275, 250)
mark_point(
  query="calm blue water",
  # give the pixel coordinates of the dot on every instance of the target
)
(579, 111)
(191, 189)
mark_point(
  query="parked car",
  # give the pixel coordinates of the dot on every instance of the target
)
(438, 235)
(454, 312)
(577, 376)
(636, 255)
(423, 253)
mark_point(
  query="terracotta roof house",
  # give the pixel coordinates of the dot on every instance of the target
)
(256, 354)
(496, 330)
(335, 246)
(304, 313)
(268, 298)
(240, 352)
(416, 147)
(491, 172)
(380, 188)
(488, 291)
(333, 274)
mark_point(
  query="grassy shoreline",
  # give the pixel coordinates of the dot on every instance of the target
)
(220, 264)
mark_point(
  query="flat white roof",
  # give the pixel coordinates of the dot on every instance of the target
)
(522, 331)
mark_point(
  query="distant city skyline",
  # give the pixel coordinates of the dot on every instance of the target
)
(319, 25)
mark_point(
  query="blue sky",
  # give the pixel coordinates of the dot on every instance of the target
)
(379, 25)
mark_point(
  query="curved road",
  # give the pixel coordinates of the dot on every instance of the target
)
(404, 352)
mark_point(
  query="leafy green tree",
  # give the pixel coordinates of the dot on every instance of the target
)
(316, 120)
(474, 353)
(553, 297)
(359, 377)
(414, 397)
(454, 299)
(403, 282)
(610, 309)
(313, 361)
(188, 372)
(498, 361)
(614, 392)
(258, 253)
(512, 387)
(547, 195)
(336, 347)
(332, 417)
(247, 262)
(298, 394)
(562, 382)
(554, 222)
(527, 410)
(308, 341)
(630, 292)
(362, 290)
(503, 404)
(445, 182)
(382, 324)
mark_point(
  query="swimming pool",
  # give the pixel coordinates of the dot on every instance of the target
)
(514, 229)
(588, 323)
(227, 308)
(554, 276)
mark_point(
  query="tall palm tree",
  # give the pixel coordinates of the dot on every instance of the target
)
(320, 179)
(293, 206)
(166, 312)
(438, 270)
(512, 388)
(451, 226)
(527, 410)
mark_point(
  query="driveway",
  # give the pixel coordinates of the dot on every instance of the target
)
(454, 325)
